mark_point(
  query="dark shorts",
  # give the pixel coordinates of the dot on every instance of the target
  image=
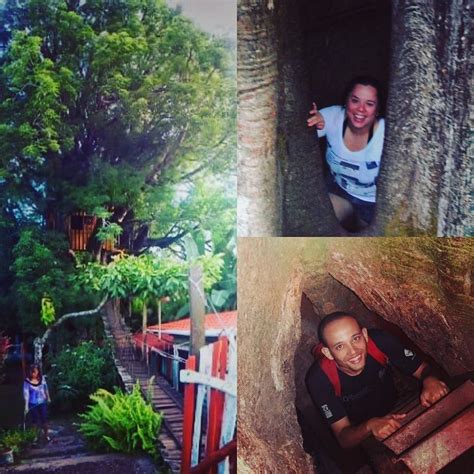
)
(38, 414)
(365, 210)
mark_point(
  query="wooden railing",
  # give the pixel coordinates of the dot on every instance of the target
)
(213, 388)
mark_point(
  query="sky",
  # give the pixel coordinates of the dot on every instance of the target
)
(217, 17)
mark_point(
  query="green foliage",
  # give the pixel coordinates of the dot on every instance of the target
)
(123, 107)
(76, 372)
(48, 313)
(17, 440)
(121, 422)
(148, 277)
(100, 105)
(41, 266)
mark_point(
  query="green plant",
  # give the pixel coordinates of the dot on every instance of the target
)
(121, 422)
(17, 440)
(48, 313)
(76, 372)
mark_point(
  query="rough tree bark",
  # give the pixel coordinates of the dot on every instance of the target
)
(425, 178)
(258, 181)
(307, 209)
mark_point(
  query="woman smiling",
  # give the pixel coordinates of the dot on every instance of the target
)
(355, 135)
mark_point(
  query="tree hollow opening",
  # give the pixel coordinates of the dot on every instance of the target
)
(319, 298)
(322, 47)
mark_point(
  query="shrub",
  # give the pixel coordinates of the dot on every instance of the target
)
(17, 440)
(121, 422)
(78, 372)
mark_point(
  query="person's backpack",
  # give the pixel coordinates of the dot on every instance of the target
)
(330, 369)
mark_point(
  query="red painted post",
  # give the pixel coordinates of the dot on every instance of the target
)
(189, 402)
(211, 461)
(219, 366)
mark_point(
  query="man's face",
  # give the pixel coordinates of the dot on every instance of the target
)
(346, 345)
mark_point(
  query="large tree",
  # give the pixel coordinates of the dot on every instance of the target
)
(122, 109)
(106, 105)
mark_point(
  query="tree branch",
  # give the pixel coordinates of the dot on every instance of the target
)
(41, 341)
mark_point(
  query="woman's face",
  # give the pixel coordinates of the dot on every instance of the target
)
(34, 373)
(362, 107)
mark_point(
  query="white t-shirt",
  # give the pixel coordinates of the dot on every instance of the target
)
(354, 171)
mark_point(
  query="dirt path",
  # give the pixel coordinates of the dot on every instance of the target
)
(68, 453)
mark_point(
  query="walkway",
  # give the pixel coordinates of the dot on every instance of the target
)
(164, 398)
(67, 453)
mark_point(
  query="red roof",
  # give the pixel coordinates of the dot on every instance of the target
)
(214, 324)
(153, 341)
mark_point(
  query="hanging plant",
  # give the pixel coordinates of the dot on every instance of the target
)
(48, 313)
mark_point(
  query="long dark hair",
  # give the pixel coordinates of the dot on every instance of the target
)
(30, 372)
(366, 81)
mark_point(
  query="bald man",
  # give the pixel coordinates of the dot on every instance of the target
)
(367, 391)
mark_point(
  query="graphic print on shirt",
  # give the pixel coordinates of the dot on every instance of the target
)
(327, 412)
(409, 353)
(357, 179)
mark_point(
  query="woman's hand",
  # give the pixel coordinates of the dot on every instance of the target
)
(316, 119)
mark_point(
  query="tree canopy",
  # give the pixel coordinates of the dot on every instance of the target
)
(102, 101)
(122, 109)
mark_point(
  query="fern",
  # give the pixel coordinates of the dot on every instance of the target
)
(121, 422)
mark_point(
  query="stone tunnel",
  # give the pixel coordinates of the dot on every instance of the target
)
(419, 289)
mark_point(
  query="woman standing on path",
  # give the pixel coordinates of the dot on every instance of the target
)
(36, 395)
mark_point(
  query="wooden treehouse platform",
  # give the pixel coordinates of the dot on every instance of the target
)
(164, 398)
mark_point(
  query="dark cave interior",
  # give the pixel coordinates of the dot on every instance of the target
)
(343, 39)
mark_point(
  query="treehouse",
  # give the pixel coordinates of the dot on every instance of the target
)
(81, 227)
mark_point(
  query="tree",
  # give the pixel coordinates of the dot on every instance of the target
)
(104, 104)
(122, 109)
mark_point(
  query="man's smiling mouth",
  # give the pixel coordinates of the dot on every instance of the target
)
(356, 360)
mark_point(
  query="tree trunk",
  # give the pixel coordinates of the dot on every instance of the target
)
(197, 310)
(425, 179)
(307, 210)
(258, 183)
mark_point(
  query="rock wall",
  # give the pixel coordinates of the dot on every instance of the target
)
(423, 285)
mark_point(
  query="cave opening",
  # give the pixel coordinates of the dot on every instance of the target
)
(322, 47)
(319, 297)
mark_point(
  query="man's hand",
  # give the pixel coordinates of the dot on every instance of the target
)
(433, 390)
(384, 426)
(316, 119)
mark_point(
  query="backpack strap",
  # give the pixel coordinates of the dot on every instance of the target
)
(376, 353)
(329, 367)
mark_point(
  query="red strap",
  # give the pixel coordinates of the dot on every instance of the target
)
(329, 367)
(376, 353)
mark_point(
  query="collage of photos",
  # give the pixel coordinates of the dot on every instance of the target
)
(355, 250)
(236, 236)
